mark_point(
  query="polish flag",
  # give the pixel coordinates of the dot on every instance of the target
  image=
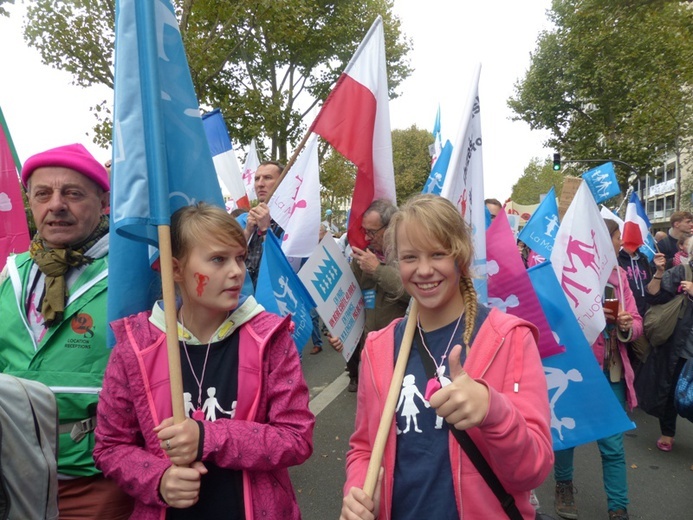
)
(14, 231)
(636, 226)
(355, 119)
(225, 161)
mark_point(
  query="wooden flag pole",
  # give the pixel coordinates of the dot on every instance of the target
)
(169, 291)
(390, 403)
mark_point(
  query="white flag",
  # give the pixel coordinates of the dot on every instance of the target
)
(252, 161)
(464, 182)
(295, 206)
(583, 257)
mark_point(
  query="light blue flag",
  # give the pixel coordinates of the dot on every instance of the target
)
(540, 232)
(583, 406)
(280, 291)
(161, 159)
(437, 177)
(602, 182)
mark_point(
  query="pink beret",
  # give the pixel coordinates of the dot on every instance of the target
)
(73, 156)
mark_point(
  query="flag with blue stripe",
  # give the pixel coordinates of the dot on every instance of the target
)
(161, 159)
(602, 182)
(583, 406)
(540, 231)
(435, 181)
(279, 290)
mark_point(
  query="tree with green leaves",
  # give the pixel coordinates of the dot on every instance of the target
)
(612, 80)
(337, 178)
(265, 63)
(539, 177)
(411, 160)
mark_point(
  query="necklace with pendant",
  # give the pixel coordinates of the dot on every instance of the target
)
(434, 384)
(198, 414)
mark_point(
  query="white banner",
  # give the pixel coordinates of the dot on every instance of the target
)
(329, 280)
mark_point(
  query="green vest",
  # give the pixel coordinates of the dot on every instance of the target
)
(70, 358)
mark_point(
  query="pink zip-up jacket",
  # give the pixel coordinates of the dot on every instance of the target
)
(618, 278)
(514, 437)
(272, 428)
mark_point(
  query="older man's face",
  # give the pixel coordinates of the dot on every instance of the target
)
(66, 205)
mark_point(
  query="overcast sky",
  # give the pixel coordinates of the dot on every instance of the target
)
(44, 110)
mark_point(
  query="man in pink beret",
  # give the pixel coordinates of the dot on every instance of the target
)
(53, 308)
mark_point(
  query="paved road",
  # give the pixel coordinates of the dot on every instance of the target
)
(661, 484)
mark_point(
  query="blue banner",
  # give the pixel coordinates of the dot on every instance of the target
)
(583, 406)
(602, 182)
(540, 231)
(280, 291)
(161, 159)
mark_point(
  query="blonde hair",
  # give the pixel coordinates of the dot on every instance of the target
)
(440, 222)
(190, 224)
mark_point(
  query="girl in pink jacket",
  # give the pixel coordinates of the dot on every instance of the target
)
(490, 382)
(244, 392)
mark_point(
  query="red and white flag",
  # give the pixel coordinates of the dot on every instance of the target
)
(583, 257)
(14, 231)
(295, 205)
(355, 119)
(252, 161)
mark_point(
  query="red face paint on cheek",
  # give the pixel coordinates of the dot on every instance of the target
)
(201, 280)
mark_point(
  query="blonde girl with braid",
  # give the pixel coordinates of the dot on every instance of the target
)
(489, 382)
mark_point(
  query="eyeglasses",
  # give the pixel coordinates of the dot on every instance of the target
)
(370, 233)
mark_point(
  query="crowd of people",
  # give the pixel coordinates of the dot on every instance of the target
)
(472, 379)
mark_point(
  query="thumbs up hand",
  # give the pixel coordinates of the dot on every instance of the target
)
(464, 402)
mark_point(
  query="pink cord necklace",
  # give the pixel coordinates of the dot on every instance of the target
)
(434, 384)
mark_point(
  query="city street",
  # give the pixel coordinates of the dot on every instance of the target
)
(661, 484)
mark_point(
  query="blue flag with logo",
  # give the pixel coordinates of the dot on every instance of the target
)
(435, 181)
(602, 182)
(583, 406)
(161, 159)
(540, 231)
(280, 291)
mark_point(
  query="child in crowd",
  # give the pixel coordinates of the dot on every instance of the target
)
(610, 349)
(245, 396)
(681, 256)
(493, 386)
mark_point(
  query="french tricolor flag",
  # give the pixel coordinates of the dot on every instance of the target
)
(355, 119)
(224, 158)
(636, 226)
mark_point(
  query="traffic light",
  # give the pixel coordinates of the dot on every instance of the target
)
(556, 161)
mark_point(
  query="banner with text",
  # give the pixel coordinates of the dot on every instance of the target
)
(330, 282)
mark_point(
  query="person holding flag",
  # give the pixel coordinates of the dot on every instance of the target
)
(53, 308)
(246, 401)
(623, 324)
(485, 378)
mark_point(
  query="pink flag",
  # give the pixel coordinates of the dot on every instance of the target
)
(509, 286)
(14, 232)
(355, 119)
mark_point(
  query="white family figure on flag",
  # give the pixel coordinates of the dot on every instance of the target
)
(552, 225)
(504, 305)
(557, 381)
(285, 300)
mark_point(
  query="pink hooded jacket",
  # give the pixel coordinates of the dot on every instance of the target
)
(514, 437)
(618, 278)
(272, 428)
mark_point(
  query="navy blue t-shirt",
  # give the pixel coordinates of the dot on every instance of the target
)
(422, 484)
